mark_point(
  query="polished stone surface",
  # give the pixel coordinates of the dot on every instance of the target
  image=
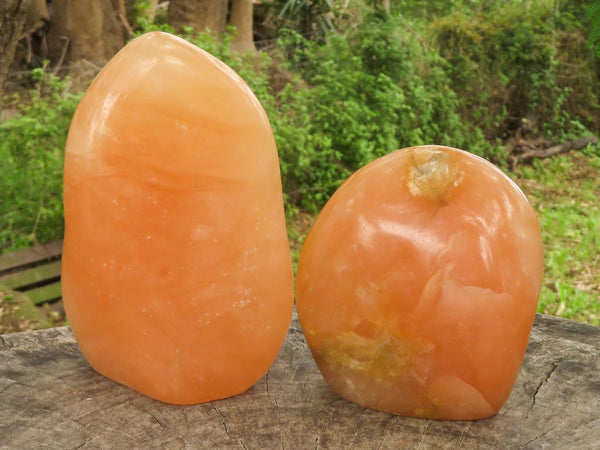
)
(418, 284)
(177, 278)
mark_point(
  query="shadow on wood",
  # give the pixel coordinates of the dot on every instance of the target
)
(51, 398)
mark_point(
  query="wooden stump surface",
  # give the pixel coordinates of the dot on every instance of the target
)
(51, 398)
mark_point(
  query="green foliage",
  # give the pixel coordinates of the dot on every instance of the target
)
(31, 156)
(592, 14)
(367, 93)
(138, 15)
(308, 17)
(427, 9)
(516, 61)
(143, 25)
(563, 191)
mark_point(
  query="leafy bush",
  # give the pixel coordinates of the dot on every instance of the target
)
(308, 17)
(367, 93)
(514, 63)
(31, 153)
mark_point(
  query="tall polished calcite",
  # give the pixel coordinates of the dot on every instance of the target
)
(418, 283)
(177, 278)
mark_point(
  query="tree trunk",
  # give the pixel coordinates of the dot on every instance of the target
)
(89, 31)
(385, 4)
(121, 13)
(37, 15)
(12, 19)
(198, 14)
(241, 17)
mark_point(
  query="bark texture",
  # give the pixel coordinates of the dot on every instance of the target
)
(198, 14)
(87, 30)
(37, 15)
(50, 395)
(13, 14)
(241, 17)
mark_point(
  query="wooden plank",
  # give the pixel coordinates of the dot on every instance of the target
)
(49, 394)
(31, 255)
(27, 277)
(45, 293)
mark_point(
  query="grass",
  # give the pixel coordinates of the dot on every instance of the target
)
(564, 192)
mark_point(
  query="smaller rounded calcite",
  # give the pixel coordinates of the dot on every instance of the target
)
(418, 284)
(177, 277)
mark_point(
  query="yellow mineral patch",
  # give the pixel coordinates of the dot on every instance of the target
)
(434, 175)
(382, 356)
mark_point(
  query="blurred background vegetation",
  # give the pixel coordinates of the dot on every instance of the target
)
(343, 82)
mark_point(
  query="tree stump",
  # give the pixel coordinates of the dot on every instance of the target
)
(51, 398)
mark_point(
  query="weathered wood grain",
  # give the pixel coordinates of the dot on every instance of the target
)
(51, 398)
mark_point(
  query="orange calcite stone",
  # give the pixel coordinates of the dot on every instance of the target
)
(418, 284)
(177, 278)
